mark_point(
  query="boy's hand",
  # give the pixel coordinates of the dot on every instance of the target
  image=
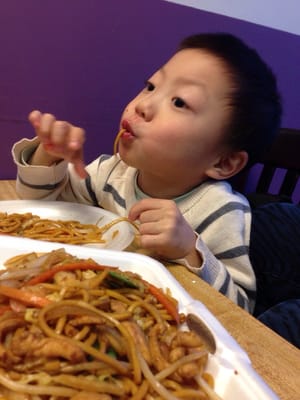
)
(58, 140)
(164, 230)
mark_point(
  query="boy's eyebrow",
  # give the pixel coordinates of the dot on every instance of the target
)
(189, 81)
(185, 80)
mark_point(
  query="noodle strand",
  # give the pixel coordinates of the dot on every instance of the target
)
(117, 139)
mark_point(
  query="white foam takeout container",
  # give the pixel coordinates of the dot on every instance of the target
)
(234, 375)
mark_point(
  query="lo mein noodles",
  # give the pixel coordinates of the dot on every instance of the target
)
(70, 232)
(75, 329)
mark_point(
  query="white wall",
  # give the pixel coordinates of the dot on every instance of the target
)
(278, 14)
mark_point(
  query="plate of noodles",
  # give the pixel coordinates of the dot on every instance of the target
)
(109, 325)
(65, 222)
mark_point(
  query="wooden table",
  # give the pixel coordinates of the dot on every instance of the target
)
(277, 361)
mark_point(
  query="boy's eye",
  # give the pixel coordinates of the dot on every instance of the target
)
(149, 86)
(178, 102)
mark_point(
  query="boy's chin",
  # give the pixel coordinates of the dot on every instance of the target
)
(126, 159)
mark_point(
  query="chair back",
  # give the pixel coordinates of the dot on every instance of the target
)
(282, 164)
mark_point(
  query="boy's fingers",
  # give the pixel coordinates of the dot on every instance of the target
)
(144, 205)
(35, 118)
(76, 138)
(79, 167)
(59, 132)
(46, 123)
(63, 135)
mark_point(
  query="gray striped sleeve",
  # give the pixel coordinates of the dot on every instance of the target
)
(41, 187)
(227, 208)
(91, 191)
(233, 252)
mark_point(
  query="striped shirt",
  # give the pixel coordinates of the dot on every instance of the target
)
(220, 216)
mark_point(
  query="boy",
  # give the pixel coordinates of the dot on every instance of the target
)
(199, 120)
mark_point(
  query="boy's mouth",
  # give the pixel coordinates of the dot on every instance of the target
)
(128, 130)
(126, 125)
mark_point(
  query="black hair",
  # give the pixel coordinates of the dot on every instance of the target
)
(255, 100)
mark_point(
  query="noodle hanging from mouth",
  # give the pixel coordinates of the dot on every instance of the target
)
(117, 139)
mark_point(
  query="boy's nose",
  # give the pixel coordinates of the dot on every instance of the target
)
(145, 109)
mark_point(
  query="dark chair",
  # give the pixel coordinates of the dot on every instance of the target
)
(275, 253)
(275, 233)
(281, 164)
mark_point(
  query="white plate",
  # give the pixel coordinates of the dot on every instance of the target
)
(232, 370)
(85, 214)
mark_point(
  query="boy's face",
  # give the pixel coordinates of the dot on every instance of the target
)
(175, 125)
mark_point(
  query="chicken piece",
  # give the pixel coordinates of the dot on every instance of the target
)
(187, 339)
(183, 343)
(139, 338)
(35, 344)
(157, 355)
(176, 354)
(60, 348)
(118, 306)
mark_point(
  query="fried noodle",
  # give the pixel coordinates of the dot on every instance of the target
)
(69, 231)
(103, 333)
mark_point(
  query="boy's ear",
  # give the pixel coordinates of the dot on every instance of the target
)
(228, 165)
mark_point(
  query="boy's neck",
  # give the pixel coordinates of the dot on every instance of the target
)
(163, 189)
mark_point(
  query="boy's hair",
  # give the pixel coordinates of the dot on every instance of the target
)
(255, 101)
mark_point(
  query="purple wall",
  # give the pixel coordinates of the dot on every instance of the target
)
(85, 59)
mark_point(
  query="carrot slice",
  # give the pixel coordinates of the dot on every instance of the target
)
(47, 275)
(169, 305)
(25, 297)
